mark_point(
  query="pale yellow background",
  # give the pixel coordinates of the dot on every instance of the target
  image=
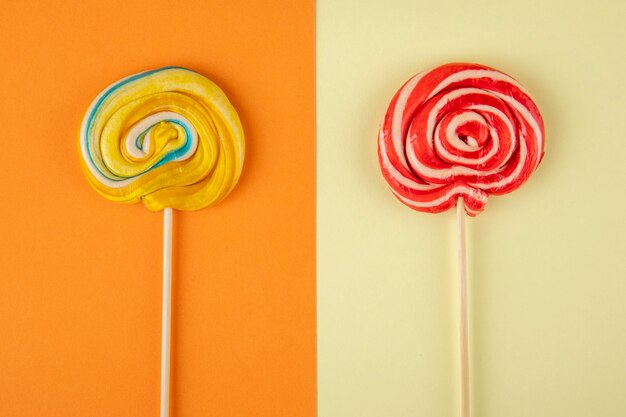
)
(548, 278)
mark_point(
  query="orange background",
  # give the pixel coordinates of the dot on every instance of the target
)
(80, 286)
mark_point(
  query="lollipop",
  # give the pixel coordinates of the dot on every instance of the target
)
(459, 130)
(170, 139)
(455, 135)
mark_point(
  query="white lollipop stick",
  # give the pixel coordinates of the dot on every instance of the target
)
(465, 389)
(166, 312)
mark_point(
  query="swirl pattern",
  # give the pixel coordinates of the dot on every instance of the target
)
(167, 137)
(459, 130)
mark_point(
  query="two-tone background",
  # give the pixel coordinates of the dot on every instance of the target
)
(311, 290)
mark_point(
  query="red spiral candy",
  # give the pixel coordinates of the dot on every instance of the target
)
(459, 130)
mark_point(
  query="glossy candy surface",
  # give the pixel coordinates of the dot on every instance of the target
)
(167, 137)
(459, 130)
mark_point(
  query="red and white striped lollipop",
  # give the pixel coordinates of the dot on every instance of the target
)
(454, 135)
(459, 130)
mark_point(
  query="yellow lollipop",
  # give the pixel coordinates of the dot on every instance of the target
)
(168, 137)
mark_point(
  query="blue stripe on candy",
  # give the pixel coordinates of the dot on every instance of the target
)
(166, 158)
(139, 140)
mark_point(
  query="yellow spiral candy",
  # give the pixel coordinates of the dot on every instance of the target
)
(168, 137)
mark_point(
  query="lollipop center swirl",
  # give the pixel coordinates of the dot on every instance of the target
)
(474, 134)
(159, 134)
